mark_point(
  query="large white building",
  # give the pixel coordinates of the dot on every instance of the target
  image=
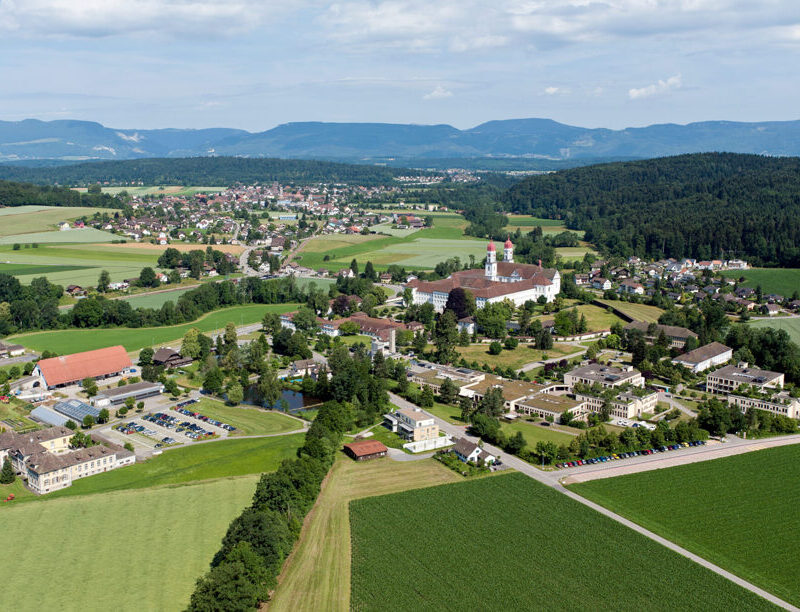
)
(498, 281)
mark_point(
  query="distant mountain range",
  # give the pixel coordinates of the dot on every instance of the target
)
(32, 139)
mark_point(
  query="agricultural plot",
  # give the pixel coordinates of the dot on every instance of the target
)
(85, 235)
(35, 270)
(317, 576)
(15, 415)
(169, 536)
(575, 253)
(158, 190)
(158, 299)
(638, 312)
(790, 325)
(784, 281)
(739, 512)
(74, 340)
(31, 219)
(510, 543)
(248, 421)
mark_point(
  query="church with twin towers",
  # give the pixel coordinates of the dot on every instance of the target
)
(499, 280)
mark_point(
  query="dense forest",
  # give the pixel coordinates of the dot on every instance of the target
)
(213, 171)
(20, 194)
(702, 205)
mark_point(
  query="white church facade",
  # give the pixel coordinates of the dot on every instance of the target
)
(500, 280)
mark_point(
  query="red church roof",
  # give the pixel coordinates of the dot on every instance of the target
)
(491, 247)
(508, 244)
(89, 364)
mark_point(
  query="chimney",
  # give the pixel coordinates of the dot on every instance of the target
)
(540, 263)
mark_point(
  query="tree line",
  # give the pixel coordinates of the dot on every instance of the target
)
(22, 194)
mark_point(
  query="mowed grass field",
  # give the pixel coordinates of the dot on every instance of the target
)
(515, 358)
(32, 219)
(74, 340)
(74, 236)
(317, 575)
(157, 300)
(738, 512)
(597, 318)
(247, 420)
(536, 433)
(784, 281)
(132, 550)
(510, 543)
(790, 325)
(639, 312)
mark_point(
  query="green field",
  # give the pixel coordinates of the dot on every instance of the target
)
(74, 340)
(157, 300)
(597, 318)
(85, 235)
(249, 421)
(160, 190)
(790, 325)
(784, 281)
(515, 358)
(84, 262)
(131, 550)
(638, 312)
(33, 270)
(34, 219)
(738, 512)
(206, 461)
(535, 433)
(510, 543)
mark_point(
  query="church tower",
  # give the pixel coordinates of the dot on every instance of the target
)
(508, 251)
(491, 262)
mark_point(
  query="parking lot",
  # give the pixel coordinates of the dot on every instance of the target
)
(627, 455)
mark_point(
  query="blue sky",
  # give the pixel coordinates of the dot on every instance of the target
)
(253, 64)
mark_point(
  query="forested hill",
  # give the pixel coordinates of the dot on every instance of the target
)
(20, 194)
(700, 205)
(205, 171)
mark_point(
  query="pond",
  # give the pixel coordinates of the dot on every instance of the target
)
(291, 401)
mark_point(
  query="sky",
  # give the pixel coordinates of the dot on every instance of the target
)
(254, 64)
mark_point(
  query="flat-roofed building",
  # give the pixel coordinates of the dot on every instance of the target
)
(513, 391)
(138, 391)
(413, 425)
(708, 356)
(546, 405)
(729, 378)
(780, 403)
(626, 405)
(677, 336)
(604, 375)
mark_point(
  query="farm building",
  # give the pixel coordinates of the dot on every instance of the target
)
(45, 415)
(364, 450)
(11, 350)
(76, 410)
(170, 359)
(72, 369)
(138, 391)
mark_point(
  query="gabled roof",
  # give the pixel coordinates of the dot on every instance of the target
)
(89, 364)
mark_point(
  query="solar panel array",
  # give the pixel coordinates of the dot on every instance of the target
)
(76, 410)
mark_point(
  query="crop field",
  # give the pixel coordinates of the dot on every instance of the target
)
(578, 252)
(790, 325)
(249, 421)
(784, 281)
(638, 312)
(35, 270)
(34, 219)
(739, 512)
(317, 576)
(14, 415)
(74, 340)
(536, 433)
(183, 247)
(126, 551)
(515, 358)
(510, 543)
(531, 222)
(85, 235)
(159, 190)
(158, 299)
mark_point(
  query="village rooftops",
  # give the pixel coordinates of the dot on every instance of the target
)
(11, 439)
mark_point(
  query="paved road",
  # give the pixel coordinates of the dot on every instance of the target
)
(553, 479)
(20, 359)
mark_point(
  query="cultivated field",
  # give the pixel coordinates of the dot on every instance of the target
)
(158, 299)
(317, 576)
(638, 312)
(515, 358)
(129, 550)
(784, 281)
(74, 340)
(85, 235)
(790, 325)
(247, 420)
(34, 219)
(739, 512)
(510, 543)
(159, 190)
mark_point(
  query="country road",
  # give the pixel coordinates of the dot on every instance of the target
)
(554, 479)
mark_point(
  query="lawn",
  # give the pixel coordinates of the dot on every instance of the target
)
(451, 414)
(157, 300)
(791, 326)
(206, 461)
(638, 312)
(536, 433)
(317, 576)
(75, 340)
(597, 318)
(247, 420)
(784, 281)
(132, 550)
(739, 512)
(510, 543)
(515, 358)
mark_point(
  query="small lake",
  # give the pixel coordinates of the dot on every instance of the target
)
(291, 401)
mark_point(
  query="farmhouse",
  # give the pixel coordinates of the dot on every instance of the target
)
(497, 282)
(469, 452)
(605, 376)
(677, 336)
(413, 425)
(138, 391)
(169, 358)
(11, 350)
(705, 357)
(727, 379)
(364, 450)
(72, 369)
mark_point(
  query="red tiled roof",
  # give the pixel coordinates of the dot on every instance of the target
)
(89, 364)
(366, 447)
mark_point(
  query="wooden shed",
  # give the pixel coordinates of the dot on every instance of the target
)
(365, 449)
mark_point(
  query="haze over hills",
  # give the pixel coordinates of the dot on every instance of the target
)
(32, 139)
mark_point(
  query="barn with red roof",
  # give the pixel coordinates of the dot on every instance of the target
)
(72, 369)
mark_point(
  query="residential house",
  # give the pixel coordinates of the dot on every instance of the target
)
(469, 452)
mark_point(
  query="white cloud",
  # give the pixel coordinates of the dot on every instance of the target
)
(661, 86)
(553, 91)
(438, 93)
